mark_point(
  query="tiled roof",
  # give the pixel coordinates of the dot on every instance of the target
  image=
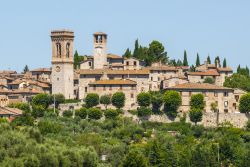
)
(20, 91)
(100, 33)
(114, 82)
(163, 68)
(41, 70)
(184, 67)
(113, 56)
(206, 73)
(198, 86)
(109, 71)
(117, 64)
(10, 111)
(225, 69)
(8, 72)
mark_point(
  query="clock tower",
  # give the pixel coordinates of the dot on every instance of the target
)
(62, 63)
(100, 47)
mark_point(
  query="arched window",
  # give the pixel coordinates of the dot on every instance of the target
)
(58, 50)
(67, 50)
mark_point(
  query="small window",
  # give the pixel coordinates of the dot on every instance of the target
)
(159, 79)
(120, 87)
(226, 110)
(86, 89)
(237, 98)
(127, 63)
(110, 87)
(122, 76)
(94, 87)
(215, 94)
(225, 94)
(104, 87)
(190, 93)
(131, 95)
(90, 64)
(151, 78)
(202, 77)
(57, 79)
(135, 63)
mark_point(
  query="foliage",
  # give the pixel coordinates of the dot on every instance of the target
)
(195, 115)
(38, 111)
(245, 103)
(68, 113)
(238, 81)
(77, 60)
(26, 69)
(214, 106)
(94, 113)
(198, 63)
(105, 100)
(118, 100)
(156, 53)
(185, 60)
(209, 80)
(144, 99)
(59, 98)
(135, 159)
(208, 60)
(82, 113)
(217, 61)
(111, 114)
(22, 106)
(144, 111)
(224, 63)
(42, 99)
(197, 101)
(172, 101)
(127, 53)
(71, 101)
(157, 101)
(92, 100)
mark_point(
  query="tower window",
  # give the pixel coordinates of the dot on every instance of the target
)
(58, 50)
(134, 63)
(90, 64)
(67, 50)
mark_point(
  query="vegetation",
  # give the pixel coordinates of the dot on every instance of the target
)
(245, 103)
(94, 113)
(197, 105)
(118, 100)
(172, 101)
(144, 99)
(209, 80)
(111, 114)
(105, 100)
(92, 100)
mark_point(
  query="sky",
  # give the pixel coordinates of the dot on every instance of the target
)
(214, 27)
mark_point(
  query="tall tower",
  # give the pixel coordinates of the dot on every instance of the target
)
(62, 63)
(100, 47)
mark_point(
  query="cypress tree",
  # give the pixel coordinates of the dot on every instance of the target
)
(224, 63)
(198, 63)
(76, 60)
(185, 61)
(247, 69)
(208, 60)
(238, 69)
(217, 61)
(136, 50)
(127, 53)
(179, 63)
(26, 69)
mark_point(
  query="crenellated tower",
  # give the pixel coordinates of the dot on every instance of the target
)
(62, 63)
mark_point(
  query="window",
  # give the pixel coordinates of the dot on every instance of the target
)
(58, 50)
(86, 89)
(122, 76)
(110, 87)
(215, 94)
(226, 110)
(237, 98)
(67, 50)
(120, 87)
(127, 63)
(235, 106)
(57, 79)
(94, 87)
(159, 79)
(225, 104)
(202, 77)
(90, 64)
(134, 63)
(151, 78)
(225, 94)
(181, 93)
(132, 87)
(104, 87)
(131, 95)
(190, 93)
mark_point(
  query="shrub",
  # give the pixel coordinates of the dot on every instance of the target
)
(68, 113)
(111, 114)
(245, 103)
(94, 113)
(42, 99)
(38, 111)
(195, 115)
(118, 100)
(59, 98)
(22, 106)
(144, 112)
(157, 101)
(172, 101)
(82, 113)
(105, 100)
(92, 99)
(49, 126)
(209, 80)
(144, 99)
(197, 101)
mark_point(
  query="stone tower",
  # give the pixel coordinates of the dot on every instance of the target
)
(62, 63)
(100, 47)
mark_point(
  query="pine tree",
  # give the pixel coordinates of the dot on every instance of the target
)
(26, 69)
(224, 63)
(136, 50)
(208, 60)
(127, 54)
(198, 63)
(185, 61)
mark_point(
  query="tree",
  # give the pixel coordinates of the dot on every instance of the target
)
(68, 113)
(91, 100)
(195, 115)
(238, 81)
(157, 101)
(111, 114)
(172, 101)
(217, 61)
(179, 63)
(214, 108)
(59, 98)
(192, 68)
(38, 111)
(144, 112)
(82, 113)
(94, 113)
(26, 69)
(105, 100)
(198, 63)
(172, 62)
(185, 61)
(238, 69)
(144, 99)
(208, 60)
(42, 99)
(224, 63)
(247, 69)
(135, 159)
(209, 80)
(118, 100)
(197, 101)
(157, 53)
(76, 60)
(127, 54)
(245, 103)
(136, 50)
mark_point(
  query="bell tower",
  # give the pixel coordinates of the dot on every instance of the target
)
(100, 47)
(62, 63)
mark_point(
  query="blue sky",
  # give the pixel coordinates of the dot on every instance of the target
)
(215, 27)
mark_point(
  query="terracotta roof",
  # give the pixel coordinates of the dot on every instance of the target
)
(206, 73)
(10, 111)
(163, 68)
(20, 91)
(225, 69)
(100, 33)
(211, 65)
(184, 67)
(117, 64)
(41, 70)
(40, 84)
(198, 86)
(114, 82)
(113, 56)
(8, 72)
(110, 71)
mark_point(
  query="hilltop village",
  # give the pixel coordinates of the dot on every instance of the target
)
(104, 73)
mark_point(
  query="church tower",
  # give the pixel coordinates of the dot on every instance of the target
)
(62, 63)
(100, 47)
